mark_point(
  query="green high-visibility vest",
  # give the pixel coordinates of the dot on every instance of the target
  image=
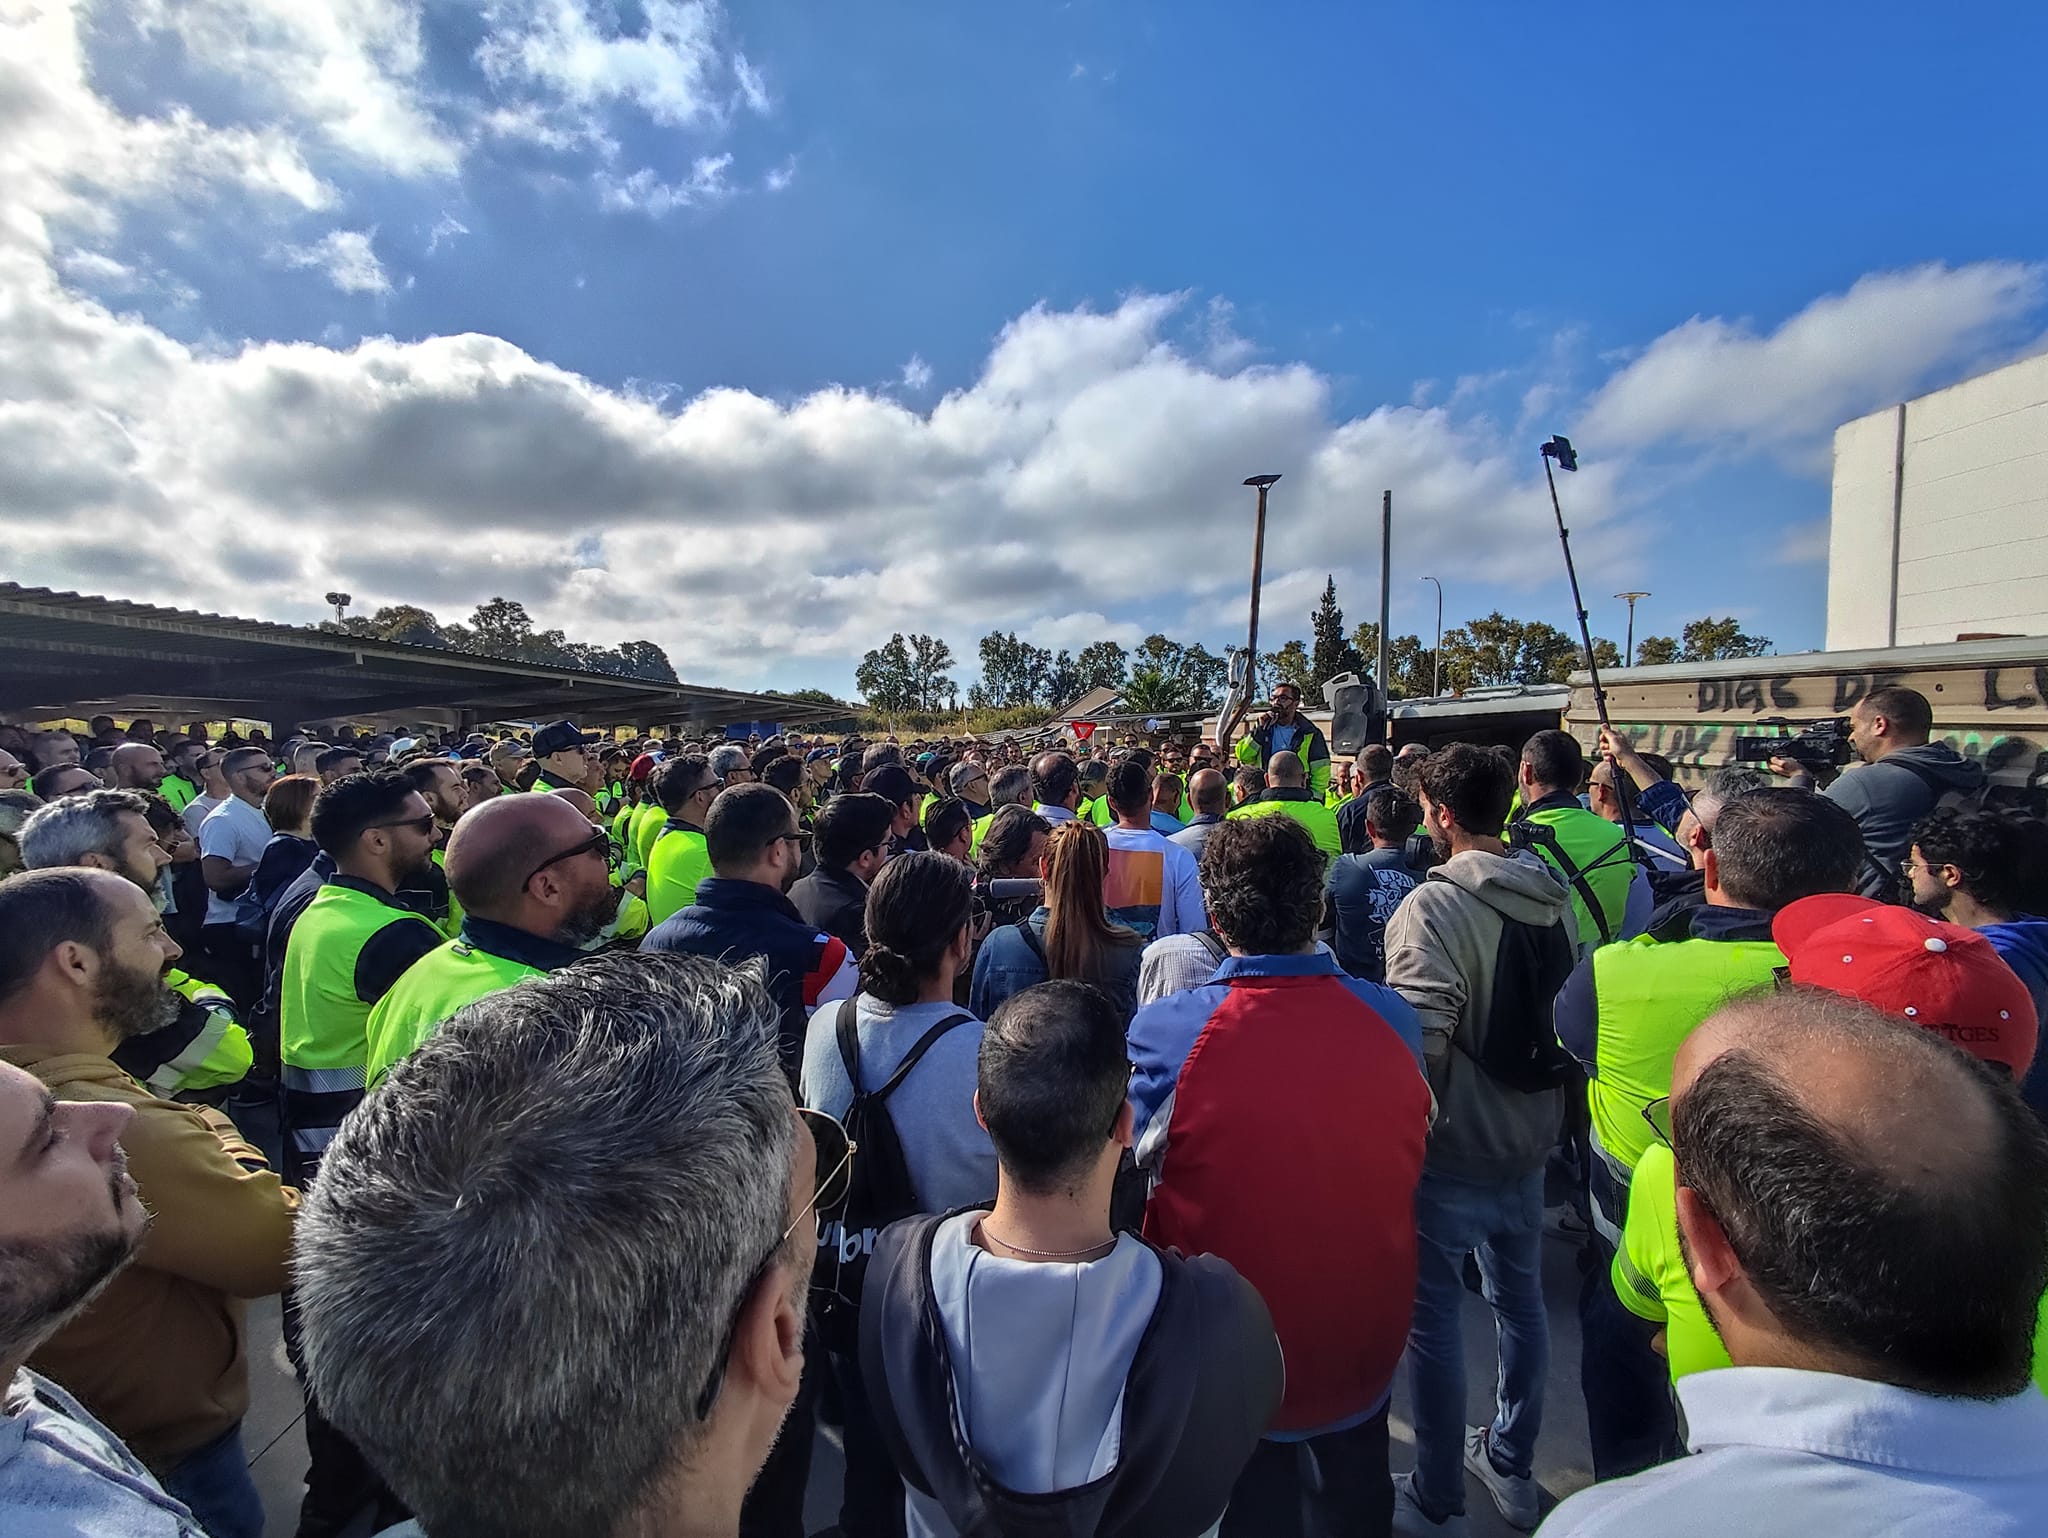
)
(179, 791)
(1320, 821)
(680, 861)
(432, 989)
(1650, 997)
(1098, 811)
(980, 830)
(1596, 849)
(1247, 752)
(453, 925)
(649, 818)
(218, 1054)
(323, 1022)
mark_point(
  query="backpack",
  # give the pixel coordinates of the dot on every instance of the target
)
(1524, 834)
(1212, 942)
(879, 1190)
(1516, 1044)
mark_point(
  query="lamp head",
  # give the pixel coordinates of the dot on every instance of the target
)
(1561, 450)
(1260, 481)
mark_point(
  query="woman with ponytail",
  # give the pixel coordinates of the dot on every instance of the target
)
(918, 926)
(1069, 937)
(919, 922)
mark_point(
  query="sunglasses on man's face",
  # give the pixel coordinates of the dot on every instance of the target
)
(420, 825)
(832, 1153)
(599, 843)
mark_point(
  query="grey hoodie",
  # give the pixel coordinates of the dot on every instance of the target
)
(1886, 798)
(1441, 945)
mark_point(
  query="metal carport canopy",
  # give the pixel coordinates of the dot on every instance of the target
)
(69, 654)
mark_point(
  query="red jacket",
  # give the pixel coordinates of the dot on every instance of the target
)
(1289, 1143)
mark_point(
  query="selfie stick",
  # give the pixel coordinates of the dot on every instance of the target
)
(1567, 457)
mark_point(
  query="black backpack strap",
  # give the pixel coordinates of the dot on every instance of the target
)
(1537, 836)
(917, 1052)
(848, 1032)
(1212, 942)
(1031, 939)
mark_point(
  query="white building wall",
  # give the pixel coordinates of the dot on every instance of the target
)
(1941, 529)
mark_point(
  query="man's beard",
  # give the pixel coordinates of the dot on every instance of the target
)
(43, 1285)
(132, 1004)
(586, 923)
(1441, 843)
(1938, 909)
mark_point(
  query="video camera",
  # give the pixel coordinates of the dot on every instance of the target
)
(1823, 742)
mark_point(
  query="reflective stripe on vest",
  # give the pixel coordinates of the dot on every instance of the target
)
(1650, 997)
(322, 1024)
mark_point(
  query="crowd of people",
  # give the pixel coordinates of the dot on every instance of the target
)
(1091, 1138)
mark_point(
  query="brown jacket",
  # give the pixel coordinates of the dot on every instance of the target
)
(160, 1355)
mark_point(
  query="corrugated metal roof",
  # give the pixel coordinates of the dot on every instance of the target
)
(68, 650)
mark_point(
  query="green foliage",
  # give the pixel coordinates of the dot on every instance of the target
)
(1496, 650)
(1289, 665)
(1168, 675)
(1655, 650)
(907, 675)
(1710, 640)
(503, 628)
(1334, 652)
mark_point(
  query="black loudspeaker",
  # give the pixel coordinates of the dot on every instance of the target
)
(1356, 715)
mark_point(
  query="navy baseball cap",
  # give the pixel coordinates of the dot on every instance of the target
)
(561, 735)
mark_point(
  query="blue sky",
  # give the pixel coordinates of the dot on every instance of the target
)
(768, 329)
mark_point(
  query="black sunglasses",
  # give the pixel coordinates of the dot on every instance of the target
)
(833, 1151)
(417, 824)
(599, 842)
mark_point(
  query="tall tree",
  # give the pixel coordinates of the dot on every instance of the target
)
(644, 659)
(1061, 682)
(1496, 650)
(1290, 665)
(1334, 653)
(1013, 672)
(1167, 675)
(1103, 662)
(1710, 640)
(1656, 650)
(929, 659)
(886, 677)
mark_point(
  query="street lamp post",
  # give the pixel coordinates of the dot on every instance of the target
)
(1436, 658)
(1629, 656)
(1251, 646)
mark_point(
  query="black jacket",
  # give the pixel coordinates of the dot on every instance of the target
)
(1200, 1393)
(837, 902)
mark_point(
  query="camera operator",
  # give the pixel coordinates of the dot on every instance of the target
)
(1901, 779)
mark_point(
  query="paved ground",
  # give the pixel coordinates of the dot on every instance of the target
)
(278, 1449)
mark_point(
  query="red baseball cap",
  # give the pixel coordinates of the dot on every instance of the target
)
(1940, 976)
(641, 768)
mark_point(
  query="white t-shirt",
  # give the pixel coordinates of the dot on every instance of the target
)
(236, 832)
(196, 810)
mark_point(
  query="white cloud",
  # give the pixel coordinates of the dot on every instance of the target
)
(1716, 381)
(446, 231)
(673, 69)
(1088, 471)
(346, 258)
(780, 176)
(646, 193)
(350, 69)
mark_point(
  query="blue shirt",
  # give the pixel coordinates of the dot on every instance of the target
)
(63, 1474)
(1813, 1454)
(1365, 889)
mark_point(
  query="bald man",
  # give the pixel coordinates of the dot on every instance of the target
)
(535, 886)
(1287, 794)
(138, 766)
(1865, 1215)
(1208, 800)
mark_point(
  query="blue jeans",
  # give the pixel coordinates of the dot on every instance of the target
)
(1503, 1223)
(214, 1482)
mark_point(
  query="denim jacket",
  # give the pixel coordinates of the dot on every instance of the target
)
(1008, 964)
